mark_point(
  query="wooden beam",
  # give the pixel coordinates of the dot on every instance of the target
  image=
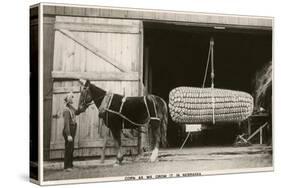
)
(96, 76)
(254, 22)
(94, 50)
(98, 27)
(257, 131)
(98, 143)
(57, 90)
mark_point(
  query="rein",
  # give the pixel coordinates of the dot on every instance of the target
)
(92, 101)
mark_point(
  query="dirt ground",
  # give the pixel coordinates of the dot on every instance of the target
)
(170, 161)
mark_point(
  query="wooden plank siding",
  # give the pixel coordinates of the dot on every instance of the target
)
(111, 59)
(196, 19)
(96, 76)
(48, 45)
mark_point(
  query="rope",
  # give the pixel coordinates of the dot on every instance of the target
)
(207, 66)
(185, 140)
(211, 54)
(212, 77)
(127, 119)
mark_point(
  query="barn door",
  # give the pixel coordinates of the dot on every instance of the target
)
(109, 53)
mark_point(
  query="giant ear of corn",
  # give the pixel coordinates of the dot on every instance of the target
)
(203, 105)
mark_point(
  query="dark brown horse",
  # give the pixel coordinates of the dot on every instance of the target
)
(119, 112)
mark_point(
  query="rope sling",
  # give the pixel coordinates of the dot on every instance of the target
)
(211, 54)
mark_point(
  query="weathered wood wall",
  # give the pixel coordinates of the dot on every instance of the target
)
(106, 51)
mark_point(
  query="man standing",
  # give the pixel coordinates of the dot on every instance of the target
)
(69, 131)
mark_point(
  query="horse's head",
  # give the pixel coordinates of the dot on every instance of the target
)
(86, 97)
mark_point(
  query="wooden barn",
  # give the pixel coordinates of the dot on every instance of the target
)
(133, 52)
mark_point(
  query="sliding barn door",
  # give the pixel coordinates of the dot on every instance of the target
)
(109, 53)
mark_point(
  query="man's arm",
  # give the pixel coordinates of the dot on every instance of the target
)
(76, 111)
(66, 117)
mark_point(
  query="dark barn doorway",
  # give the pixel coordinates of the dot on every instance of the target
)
(176, 55)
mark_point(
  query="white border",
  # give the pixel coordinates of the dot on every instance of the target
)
(122, 178)
(41, 98)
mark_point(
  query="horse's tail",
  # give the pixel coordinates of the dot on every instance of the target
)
(163, 110)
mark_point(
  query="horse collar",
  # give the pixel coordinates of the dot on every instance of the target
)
(105, 104)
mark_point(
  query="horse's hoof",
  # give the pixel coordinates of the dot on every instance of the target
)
(136, 159)
(153, 159)
(120, 159)
(154, 155)
(116, 164)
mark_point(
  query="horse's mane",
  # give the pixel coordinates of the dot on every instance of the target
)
(97, 92)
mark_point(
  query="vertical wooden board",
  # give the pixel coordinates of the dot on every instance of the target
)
(83, 55)
(55, 117)
(60, 120)
(59, 10)
(87, 120)
(77, 56)
(64, 53)
(78, 11)
(100, 64)
(80, 58)
(92, 12)
(75, 104)
(119, 44)
(54, 120)
(117, 48)
(116, 13)
(83, 121)
(149, 15)
(48, 37)
(49, 9)
(95, 63)
(180, 17)
(94, 123)
(57, 51)
(126, 55)
(68, 10)
(105, 12)
(134, 47)
(124, 52)
(68, 57)
(112, 47)
(140, 58)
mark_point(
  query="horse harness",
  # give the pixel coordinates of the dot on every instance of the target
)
(107, 101)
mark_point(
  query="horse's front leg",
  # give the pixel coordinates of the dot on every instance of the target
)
(155, 125)
(117, 139)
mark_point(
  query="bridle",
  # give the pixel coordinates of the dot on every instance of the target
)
(84, 103)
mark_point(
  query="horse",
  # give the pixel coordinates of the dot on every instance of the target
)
(119, 112)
